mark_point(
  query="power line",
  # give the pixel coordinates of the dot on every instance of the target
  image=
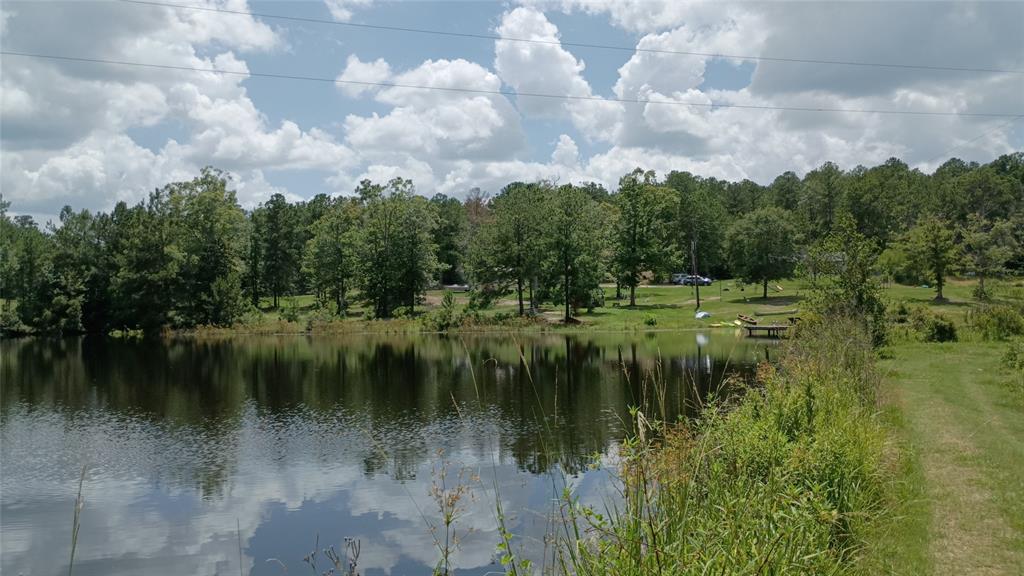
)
(339, 81)
(630, 49)
(1003, 125)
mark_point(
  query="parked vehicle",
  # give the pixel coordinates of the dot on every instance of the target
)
(691, 280)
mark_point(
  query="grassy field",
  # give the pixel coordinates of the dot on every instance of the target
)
(661, 307)
(965, 428)
(657, 307)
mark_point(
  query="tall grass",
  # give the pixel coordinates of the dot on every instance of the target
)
(783, 482)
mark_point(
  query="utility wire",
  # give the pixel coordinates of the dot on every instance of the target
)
(339, 81)
(630, 49)
(947, 154)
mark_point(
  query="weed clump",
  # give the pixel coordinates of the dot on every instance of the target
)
(996, 321)
(784, 482)
(930, 326)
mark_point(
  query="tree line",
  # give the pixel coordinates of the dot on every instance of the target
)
(190, 255)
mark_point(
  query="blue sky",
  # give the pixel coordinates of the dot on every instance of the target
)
(89, 135)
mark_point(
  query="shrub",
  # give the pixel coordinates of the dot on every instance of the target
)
(900, 313)
(650, 320)
(483, 297)
(290, 312)
(1014, 357)
(932, 326)
(444, 317)
(10, 323)
(996, 321)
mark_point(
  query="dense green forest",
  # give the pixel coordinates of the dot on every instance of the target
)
(190, 255)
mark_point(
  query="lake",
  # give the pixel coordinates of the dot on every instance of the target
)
(199, 450)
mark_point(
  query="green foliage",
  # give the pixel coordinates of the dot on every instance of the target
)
(996, 321)
(762, 246)
(574, 248)
(650, 320)
(698, 223)
(929, 246)
(280, 246)
(188, 254)
(208, 228)
(931, 326)
(1014, 356)
(840, 272)
(800, 459)
(641, 229)
(290, 311)
(444, 317)
(398, 259)
(987, 247)
(330, 258)
(508, 247)
(450, 237)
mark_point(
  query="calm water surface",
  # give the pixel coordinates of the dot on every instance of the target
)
(193, 444)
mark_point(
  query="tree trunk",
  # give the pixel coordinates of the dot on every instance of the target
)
(765, 294)
(519, 291)
(618, 290)
(632, 296)
(567, 292)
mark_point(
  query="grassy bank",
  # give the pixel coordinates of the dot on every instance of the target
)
(657, 308)
(963, 421)
(789, 480)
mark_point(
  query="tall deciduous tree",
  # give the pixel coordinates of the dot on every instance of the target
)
(280, 243)
(330, 259)
(32, 280)
(509, 249)
(450, 236)
(762, 246)
(843, 280)
(987, 247)
(641, 230)
(210, 227)
(698, 220)
(822, 197)
(147, 261)
(575, 242)
(398, 258)
(930, 245)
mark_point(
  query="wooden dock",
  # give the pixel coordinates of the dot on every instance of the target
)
(771, 331)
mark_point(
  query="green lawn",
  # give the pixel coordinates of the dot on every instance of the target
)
(657, 307)
(961, 502)
(661, 307)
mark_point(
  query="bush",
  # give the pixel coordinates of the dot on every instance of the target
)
(1014, 357)
(483, 297)
(444, 317)
(319, 317)
(900, 313)
(996, 321)
(932, 326)
(650, 320)
(290, 312)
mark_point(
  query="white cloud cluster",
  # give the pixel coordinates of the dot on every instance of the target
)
(67, 125)
(70, 130)
(344, 10)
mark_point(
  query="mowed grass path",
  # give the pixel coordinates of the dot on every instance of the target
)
(964, 426)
